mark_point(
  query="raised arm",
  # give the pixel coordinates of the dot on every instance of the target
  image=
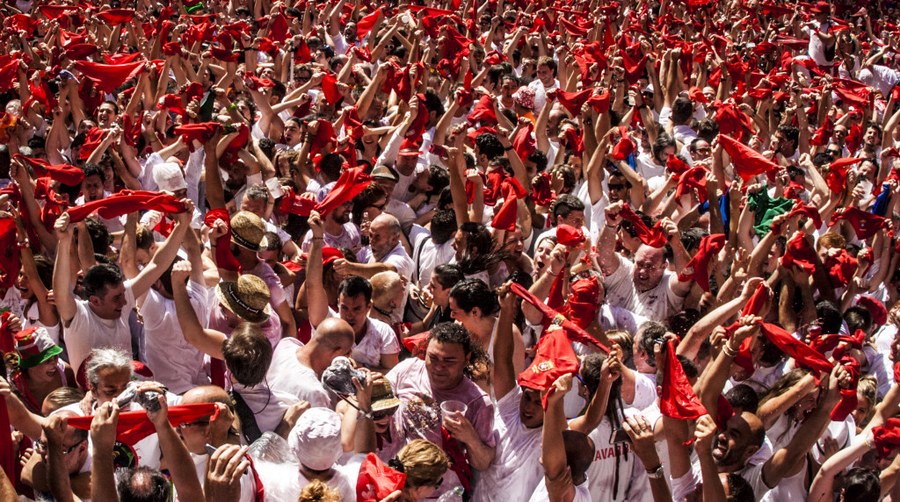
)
(208, 341)
(165, 254)
(62, 270)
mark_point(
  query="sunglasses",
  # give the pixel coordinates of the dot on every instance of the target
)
(379, 415)
(833, 152)
(41, 447)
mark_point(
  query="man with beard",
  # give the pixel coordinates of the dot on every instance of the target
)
(644, 286)
(340, 232)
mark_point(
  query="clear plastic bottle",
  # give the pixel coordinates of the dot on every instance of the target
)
(454, 495)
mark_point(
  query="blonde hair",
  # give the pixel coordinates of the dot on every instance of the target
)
(831, 240)
(624, 339)
(868, 389)
(423, 462)
(317, 491)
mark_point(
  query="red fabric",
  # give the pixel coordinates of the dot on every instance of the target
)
(458, 461)
(800, 254)
(351, 183)
(836, 179)
(366, 23)
(172, 103)
(127, 201)
(572, 101)
(64, 173)
(541, 192)
(9, 253)
(554, 358)
(852, 92)
(523, 143)
(803, 209)
(330, 89)
(887, 437)
(864, 224)
(7, 337)
(583, 303)
(697, 268)
(292, 203)
(569, 236)
(804, 355)
(876, 308)
(551, 316)
(201, 132)
(830, 343)
(747, 162)
(41, 93)
(136, 425)
(623, 149)
(694, 179)
(92, 140)
(224, 259)
(732, 121)
(376, 480)
(483, 111)
(848, 400)
(676, 166)
(7, 454)
(823, 133)
(676, 397)
(416, 344)
(653, 237)
(506, 217)
(116, 17)
(840, 267)
(600, 102)
(107, 77)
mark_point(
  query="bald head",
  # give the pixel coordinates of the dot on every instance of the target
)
(205, 394)
(333, 337)
(384, 234)
(649, 266)
(333, 331)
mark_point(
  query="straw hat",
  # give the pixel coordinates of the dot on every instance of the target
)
(247, 298)
(383, 397)
(248, 231)
(385, 172)
(35, 347)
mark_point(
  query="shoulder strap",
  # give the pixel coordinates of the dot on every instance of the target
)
(249, 428)
(419, 259)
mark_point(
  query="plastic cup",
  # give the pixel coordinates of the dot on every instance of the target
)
(453, 408)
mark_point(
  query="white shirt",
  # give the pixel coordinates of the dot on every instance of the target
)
(379, 339)
(427, 256)
(87, 330)
(398, 258)
(516, 470)
(816, 49)
(612, 461)
(175, 363)
(348, 238)
(659, 302)
(286, 374)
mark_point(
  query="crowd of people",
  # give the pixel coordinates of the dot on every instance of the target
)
(449, 250)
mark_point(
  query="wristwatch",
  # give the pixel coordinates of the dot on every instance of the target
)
(655, 473)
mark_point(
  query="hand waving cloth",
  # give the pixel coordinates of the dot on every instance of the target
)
(753, 307)
(107, 77)
(800, 254)
(351, 183)
(554, 358)
(201, 132)
(573, 331)
(66, 174)
(864, 224)
(224, 258)
(653, 237)
(806, 356)
(676, 397)
(127, 201)
(697, 268)
(747, 161)
(376, 480)
(134, 426)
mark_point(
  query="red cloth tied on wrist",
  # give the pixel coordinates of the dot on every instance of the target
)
(506, 217)
(376, 480)
(800, 254)
(224, 258)
(747, 161)
(366, 23)
(107, 77)
(676, 396)
(201, 132)
(653, 237)
(697, 268)
(848, 400)
(292, 203)
(836, 178)
(676, 166)
(134, 426)
(864, 224)
(9, 254)
(115, 17)
(554, 358)
(64, 173)
(351, 183)
(840, 267)
(127, 201)
(887, 437)
(573, 331)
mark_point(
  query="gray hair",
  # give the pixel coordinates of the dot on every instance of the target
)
(106, 358)
(258, 191)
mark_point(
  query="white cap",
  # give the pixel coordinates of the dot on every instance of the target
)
(316, 438)
(168, 177)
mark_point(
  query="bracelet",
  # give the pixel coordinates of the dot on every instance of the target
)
(730, 352)
(317, 238)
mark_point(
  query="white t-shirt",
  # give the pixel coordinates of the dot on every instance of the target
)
(582, 493)
(816, 49)
(248, 485)
(87, 330)
(175, 363)
(516, 470)
(399, 259)
(379, 339)
(286, 374)
(348, 238)
(427, 256)
(659, 302)
(13, 302)
(614, 462)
